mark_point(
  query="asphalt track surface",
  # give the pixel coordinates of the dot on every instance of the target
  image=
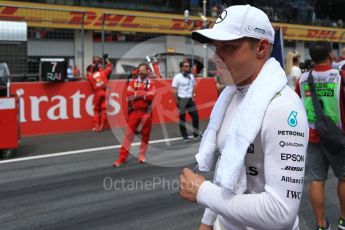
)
(83, 190)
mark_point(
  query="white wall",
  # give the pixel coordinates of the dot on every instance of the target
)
(88, 49)
(50, 48)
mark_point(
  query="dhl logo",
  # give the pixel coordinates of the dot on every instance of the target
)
(117, 20)
(322, 34)
(94, 20)
(8, 13)
(310, 34)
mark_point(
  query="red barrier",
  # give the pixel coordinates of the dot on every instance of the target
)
(9, 123)
(50, 108)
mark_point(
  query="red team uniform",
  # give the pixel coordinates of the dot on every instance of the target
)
(98, 81)
(140, 94)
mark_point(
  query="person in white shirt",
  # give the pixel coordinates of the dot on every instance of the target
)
(267, 193)
(70, 75)
(292, 69)
(184, 92)
(321, 157)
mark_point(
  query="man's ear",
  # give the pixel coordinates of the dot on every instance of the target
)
(331, 56)
(263, 47)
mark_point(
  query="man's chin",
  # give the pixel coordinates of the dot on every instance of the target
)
(226, 80)
(242, 82)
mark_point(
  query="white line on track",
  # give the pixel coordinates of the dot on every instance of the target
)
(83, 151)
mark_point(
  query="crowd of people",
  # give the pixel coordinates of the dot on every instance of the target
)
(310, 12)
(320, 155)
(140, 96)
(294, 68)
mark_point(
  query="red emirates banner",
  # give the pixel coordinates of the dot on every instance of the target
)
(61, 107)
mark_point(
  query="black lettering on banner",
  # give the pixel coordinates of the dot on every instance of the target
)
(293, 194)
(252, 171)
(292, 157)
(290, 133)
(288, 179)
(293, 168)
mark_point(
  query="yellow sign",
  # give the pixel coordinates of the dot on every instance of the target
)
(72, 17)
(311, 33)
(54, 16)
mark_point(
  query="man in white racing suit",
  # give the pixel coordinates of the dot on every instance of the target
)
(275, 160)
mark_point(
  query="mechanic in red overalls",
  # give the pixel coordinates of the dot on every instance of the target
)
(98, 80)
(140, 94)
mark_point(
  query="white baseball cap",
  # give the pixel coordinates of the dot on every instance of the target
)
(236, 22)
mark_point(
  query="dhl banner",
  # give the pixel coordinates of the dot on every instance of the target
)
(311, 33)
(57, 16)
(73, 17)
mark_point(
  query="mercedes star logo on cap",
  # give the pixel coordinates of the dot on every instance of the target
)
(221, 17)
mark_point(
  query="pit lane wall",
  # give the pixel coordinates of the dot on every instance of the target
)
(62, 107)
